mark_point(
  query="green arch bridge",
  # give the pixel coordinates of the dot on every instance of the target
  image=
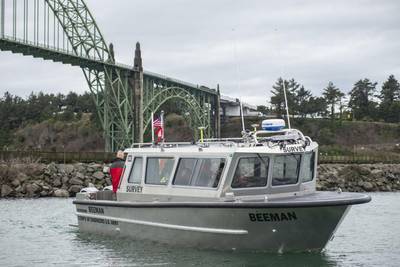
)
(125, 96)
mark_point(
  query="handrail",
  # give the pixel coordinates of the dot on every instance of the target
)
(164, 144)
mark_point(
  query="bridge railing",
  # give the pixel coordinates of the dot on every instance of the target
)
(70, 157)
(59, 157)
(358, 159)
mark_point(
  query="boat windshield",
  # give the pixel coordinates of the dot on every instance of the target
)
(251, 172)
(203, 172)
(285, 170)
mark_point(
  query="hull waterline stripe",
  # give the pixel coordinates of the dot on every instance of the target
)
(170, 226)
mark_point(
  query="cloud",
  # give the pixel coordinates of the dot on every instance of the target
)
(243, 46)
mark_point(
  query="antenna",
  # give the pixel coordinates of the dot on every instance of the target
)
(237, 75)
(286, 104)
(241, 114)
(283, 80)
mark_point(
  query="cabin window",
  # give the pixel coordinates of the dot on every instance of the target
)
(203, 172)
(136, 172)
(251, 172)
(309, 164)
(158, 170)
(285, 170)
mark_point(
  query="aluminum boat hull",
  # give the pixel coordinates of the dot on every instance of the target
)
(304, 223)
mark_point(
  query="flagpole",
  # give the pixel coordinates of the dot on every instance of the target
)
(162, 126)
(152, 127)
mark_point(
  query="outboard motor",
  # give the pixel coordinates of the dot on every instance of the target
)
(89, 192)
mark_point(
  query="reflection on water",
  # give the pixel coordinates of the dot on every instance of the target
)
(37, 233)
(126, 252)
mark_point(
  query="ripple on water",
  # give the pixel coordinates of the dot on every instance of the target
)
(37, 232)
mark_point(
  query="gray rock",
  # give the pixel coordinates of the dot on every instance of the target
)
(43, 194)
(15, 182)
(75, 188)
(32, 189)
(75, 181)
(79, 175)
(98, 175)
(57, 182)
(95, 166)
(22, 177)
(80, 168)
(52, 168)
(66, 168)
(61, 193)
(65, 179)
(46, 188)
(19, 189)
(6, 190)
(108, 181)
(367, 186)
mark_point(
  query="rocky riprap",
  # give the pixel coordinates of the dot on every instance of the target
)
(359, 177)
(59, 180)
(52, 180)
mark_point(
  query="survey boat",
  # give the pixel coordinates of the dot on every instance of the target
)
(257, 193)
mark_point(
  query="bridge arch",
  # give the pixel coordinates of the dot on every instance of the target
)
(124, 96)
(197, 113)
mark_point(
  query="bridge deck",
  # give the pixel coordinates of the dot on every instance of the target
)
(37, 50)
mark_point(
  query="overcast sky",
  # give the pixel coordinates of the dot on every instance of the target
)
(242, 45)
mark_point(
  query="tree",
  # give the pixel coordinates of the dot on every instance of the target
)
(390, 100)
(316, 106)
(390, 91)
(361, 101)
(263, 109)
(332, 96)
(278, 98)
(302, 98)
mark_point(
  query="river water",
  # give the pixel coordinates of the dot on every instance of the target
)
(37, 232)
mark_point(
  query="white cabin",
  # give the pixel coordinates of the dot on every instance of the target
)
(221, 170)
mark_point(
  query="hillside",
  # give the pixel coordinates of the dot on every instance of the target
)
(82, 135)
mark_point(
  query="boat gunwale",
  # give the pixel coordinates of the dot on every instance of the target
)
(362, 198)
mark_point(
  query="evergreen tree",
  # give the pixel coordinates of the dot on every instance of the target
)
(302, 98)
(389, 108)
(361, 101)
(332, 96)
(278, 98)
(316, 106)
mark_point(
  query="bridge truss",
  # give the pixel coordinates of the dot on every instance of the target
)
(65, 31)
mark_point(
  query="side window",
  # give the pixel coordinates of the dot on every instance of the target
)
(158, 170)
(136, 172)
(251, 172)
(309, 163)
(286, 170)
(203, 172)
(184, 172)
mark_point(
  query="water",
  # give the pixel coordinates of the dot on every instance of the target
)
(36, 232)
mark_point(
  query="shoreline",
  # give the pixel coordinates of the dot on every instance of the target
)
(33, 180)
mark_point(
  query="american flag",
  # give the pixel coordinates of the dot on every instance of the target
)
(157, 123)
